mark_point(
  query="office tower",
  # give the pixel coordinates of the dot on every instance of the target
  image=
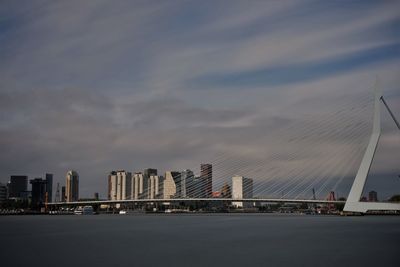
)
(156, 185)
(197, 188)
(241, 188)
(38, 192)
(226, 191)
(112, 186)
(178, 183)
(149, 172)
(49, 187)
(137, 186)
(58, 197)
(3, 192)
(124, 180)
(372, 196)
(63, 194)
(18, 185)
(119, 185)
(72, 186)
(176, 176)
(187, 183)
(153, 186)
(146, 181)
(171, 178)
(206, 176)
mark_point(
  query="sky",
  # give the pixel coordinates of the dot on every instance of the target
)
(280, 91)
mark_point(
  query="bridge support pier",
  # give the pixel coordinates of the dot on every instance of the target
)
(353, 203)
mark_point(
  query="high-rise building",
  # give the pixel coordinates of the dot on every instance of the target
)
(156, 185)
(3, 192)
(125, 179)
(137, 186)
(112, 185)
(178, 184)
(149, 172)
(187, 184)
(206, 176)
(373, 196)
(170, 184)
(38, 192)
(180, 179)
(18, 185)
(119, 185)
(58, 197)
(146, 181)
(197, 188)
(49, 186)
(226, 191)
(241, 188)
(72, 186)
(63, 194)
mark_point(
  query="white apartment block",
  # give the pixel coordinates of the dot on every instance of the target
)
(241, 188)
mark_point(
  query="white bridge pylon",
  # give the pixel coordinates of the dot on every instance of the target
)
(353, 203)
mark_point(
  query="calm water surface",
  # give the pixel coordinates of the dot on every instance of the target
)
(199, 240)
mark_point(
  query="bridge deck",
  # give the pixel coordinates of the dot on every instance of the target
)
(272, 200)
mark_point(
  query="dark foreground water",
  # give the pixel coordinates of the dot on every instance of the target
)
(199, 240)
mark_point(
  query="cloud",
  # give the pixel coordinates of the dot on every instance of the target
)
(305, 71)
(261, 89)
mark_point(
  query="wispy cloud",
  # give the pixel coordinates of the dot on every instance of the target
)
(99, 85)
(304, 71)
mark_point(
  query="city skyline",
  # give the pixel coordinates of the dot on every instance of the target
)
(98, 86)
(147, 184)
(199, 133)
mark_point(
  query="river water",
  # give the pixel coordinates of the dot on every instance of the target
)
(199, 240)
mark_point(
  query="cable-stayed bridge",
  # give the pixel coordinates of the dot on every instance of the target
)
(308, 158)
(177, 200)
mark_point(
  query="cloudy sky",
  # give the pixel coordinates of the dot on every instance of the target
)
(276, 90)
